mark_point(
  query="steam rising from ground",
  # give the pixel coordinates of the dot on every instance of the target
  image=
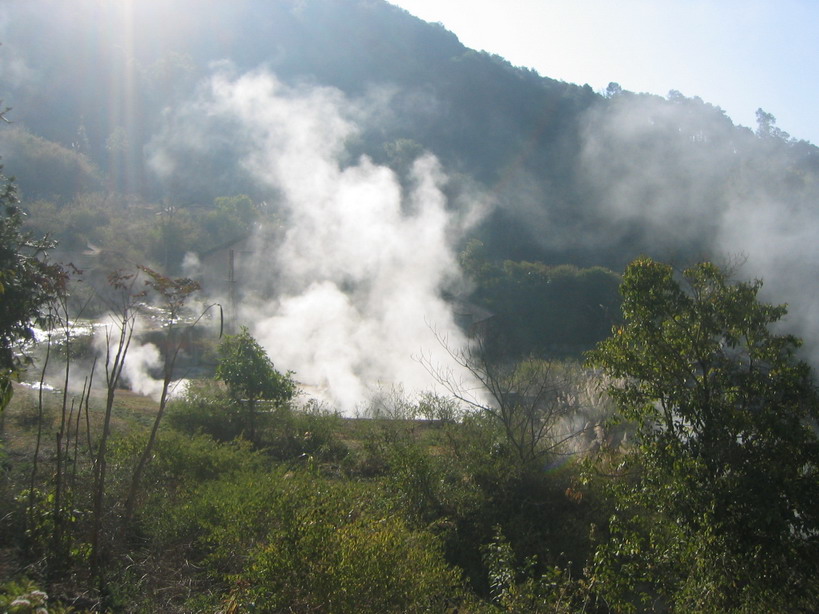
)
(363, 262)
(364, 258)
(682, 178)
(141, 360)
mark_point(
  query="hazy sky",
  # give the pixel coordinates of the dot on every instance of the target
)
(739, 55)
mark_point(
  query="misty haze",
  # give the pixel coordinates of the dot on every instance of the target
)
(371, 273)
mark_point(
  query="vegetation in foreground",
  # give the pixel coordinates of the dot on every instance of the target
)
(697, 495)
(676, 472)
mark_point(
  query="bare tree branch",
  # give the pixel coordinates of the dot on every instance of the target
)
(530, 400)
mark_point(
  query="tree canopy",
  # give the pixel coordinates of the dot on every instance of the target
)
(718, 508)
(28, 281)
(248, 371)
(250, 376)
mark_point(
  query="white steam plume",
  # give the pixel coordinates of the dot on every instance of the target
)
(363, 263)
(141, 359)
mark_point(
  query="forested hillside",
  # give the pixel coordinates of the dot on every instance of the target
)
(139, 116)
(307, 307)
(574, 175)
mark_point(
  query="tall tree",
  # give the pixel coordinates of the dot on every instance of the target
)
(174, 295)
(28, 281)
(718, 498)
(118, 334)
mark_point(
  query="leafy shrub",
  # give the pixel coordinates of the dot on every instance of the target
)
(206, 407)
(293, 434)
(368, 564)
(518, 589)
(181, 463)
(192, 460)
(291, 541)
(24, 597)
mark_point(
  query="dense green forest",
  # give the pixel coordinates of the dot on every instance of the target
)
(232, 242)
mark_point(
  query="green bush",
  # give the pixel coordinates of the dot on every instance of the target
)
(291, 541)
(206, 407)
(518, 589)
(471, 483)
(284, 433)
(368, 564)
(191, 460)
(290, 434)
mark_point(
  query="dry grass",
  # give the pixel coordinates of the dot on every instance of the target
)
(18, 424)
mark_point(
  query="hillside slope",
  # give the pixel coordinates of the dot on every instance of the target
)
(574, 175)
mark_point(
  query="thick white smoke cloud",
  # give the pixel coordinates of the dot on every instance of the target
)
(651, 165)
(362, 265)
(779, 240)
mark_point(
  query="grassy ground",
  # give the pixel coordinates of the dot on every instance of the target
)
(18, 424)
(22, 413)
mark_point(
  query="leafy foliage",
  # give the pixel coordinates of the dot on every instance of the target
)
(231, 218)
(519, 589)
(539, 309)
(249, 373)
(285, 433)
(183, 460)
(28, 282)
(45, 169)
(207, 407)
(718, 495)
(250, 376)
(289, 540)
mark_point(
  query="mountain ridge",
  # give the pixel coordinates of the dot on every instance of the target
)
(543, 149)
